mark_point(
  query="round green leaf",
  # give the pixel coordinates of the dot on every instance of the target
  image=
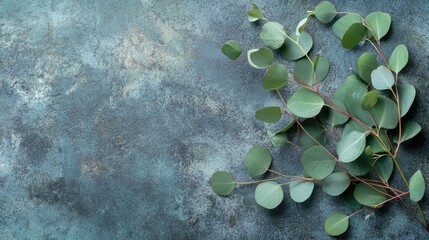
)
(304, 70)
(385, 113)
(344, 23)
(382, 78)
(301, 191)
(367, 196)
(361, 166)
(406, 93)
(417, 186)
(305, 103)
(315, 131)
(350, 200)
(353, 35)
(269, 114)
(351, 146)
(231, 49)
(379, 23)
(376, 146)
(399, 58)
(335, 184)
(325, 12)
(352, 126)
(222, 183)
(336, 224)
(277, 139)
(291, 51)
(369, 100)
(317, 162)
(409, 130)
(260, 58)
(273, 35)
(269, 194)
(258, 160)
(301, 26)
(351, 92)
(276, 77)
(367, 63)
(254, 14)
(333, 117)
(384, 168)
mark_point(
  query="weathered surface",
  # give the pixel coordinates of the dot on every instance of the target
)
(116, 113)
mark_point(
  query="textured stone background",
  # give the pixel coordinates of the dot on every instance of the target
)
(114, 115)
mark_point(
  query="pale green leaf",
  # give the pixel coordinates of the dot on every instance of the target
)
(231, 49)
(352, 126)
(276, 77)
(399, 58)
(258, 160)
(353, 35)
(406, 93)
(222, 183)
(344, 23)
(304, 70)
(409, 130)
(367, 63)
(382, 78)
(335, 184)
(315, 131)
(376, 146)
(301, 26)
(336, 224)
(305, 103)
(269, 194)
(318, 162)
(384, 167)
(291, 50)
(260, 58)
(369, 196)
(254, 14)
(277, 139)
(334, 117)
(301, 191)
(325, 12)
(369, 100)
(417, 186)
(269, 114)
(351, 146)
(273, 35)
(361, 166)
(385, 113)
(379, 23)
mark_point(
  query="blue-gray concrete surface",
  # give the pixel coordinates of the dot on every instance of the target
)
(114, 115)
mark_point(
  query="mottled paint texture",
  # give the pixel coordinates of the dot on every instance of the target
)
(114, 115)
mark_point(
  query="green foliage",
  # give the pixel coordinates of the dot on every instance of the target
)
(231, 49)
(379, 23)
(254, 14)
(417, 186)
(305, 103)
(369, 100)
(353, 35)
(304, 70)
(409, 130)
(351, 146)
(276, 77)
(318, 162)
(301, 191)
(314, 132)
(367, 63)
(399, 58)
(301, 26)
(277, 139)
(269, 194)
(382, 78)
(332, 117)
(344, 23)
(336, 224)
(407, 93)
(269, 114)
(260, 58)
(325, 12)
(222, 183)
(369, 196)
(385, 113)
(361, 166)
(292, 51)
(258, 160)
(384, 168)
(273, 35)
(336, 183)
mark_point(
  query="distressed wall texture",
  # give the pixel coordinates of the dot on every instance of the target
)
(114, 115)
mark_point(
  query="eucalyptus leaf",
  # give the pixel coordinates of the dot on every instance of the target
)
(301, 26)
(318, 162)
(315, 131)
(222, 183)
(269, 114)
(385, 113)
(384, 168)
(292, 51)
(301, 191)
(278, 139)
(325, 12)
(406, 93)
(353, 35)
(361, 166)
(399, 58)
(276, 77)
(382, 78)
(409, 130)
(254, 15)
(351, 146)
(336, 224)
(417, 186)
(344, 23)
(350, 200)
(352, 126)
(367, 63)
(287, 127)
(334, 117)
(368, 196)
(304, 70)
(336, 183)
(231, 49)
(269, 194)
(260, 58)
(379, 23)
(376, 146)
(351, 92)
(273, 35)
(258, 160)
(369, 100)
(305, 103)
